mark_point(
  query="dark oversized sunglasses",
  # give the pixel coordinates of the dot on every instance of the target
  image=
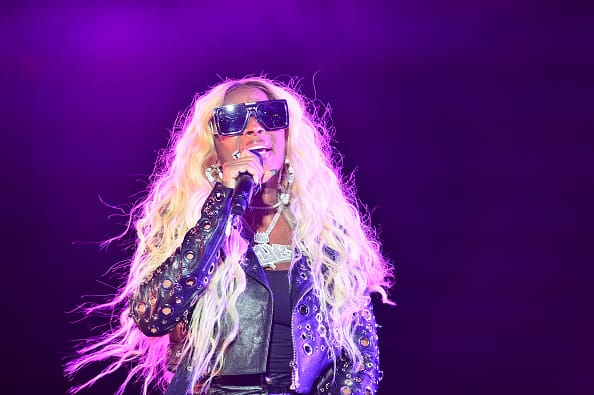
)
(231, 120)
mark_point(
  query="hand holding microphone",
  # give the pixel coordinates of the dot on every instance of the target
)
(243, 175)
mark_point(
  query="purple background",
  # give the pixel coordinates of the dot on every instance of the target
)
(468, 125)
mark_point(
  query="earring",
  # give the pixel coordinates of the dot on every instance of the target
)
(284, 196)
(213, 171)
(291, 171)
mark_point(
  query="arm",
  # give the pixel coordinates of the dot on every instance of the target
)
(167, 296)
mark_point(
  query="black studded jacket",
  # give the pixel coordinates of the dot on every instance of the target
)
(166, 298)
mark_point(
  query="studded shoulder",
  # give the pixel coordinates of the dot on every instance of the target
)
(167, 296)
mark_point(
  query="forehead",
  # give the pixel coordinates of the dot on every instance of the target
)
(245, 94)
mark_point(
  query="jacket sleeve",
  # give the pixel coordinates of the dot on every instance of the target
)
(363, 378)
(167, 296)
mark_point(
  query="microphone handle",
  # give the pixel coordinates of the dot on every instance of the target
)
(244, 188)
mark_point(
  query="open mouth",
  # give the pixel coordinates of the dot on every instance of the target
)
(261, 150)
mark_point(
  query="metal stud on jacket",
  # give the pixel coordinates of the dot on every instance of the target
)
(167, 297)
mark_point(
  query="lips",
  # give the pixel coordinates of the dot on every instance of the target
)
(261, 149)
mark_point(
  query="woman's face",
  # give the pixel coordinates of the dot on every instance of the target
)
(269, 144)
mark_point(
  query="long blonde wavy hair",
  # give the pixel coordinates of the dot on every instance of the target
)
(323, 211)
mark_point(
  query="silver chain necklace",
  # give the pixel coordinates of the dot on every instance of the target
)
(266, 208)
(271, 254)
(264, 237)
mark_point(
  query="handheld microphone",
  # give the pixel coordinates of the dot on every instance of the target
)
(244, 189)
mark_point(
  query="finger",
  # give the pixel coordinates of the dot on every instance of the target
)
(254, 160)
(247, 164)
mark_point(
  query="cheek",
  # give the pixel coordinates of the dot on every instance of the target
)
(225, 147)
(283, 150)
(281, 144)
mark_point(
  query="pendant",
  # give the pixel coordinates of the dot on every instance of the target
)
(270, 255)
(261, 238)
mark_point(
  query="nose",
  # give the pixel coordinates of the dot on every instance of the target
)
(253, 126)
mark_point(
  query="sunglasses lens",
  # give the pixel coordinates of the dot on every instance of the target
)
(273, 114)
(230, 119)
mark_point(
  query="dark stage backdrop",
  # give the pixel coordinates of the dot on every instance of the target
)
(467, 125)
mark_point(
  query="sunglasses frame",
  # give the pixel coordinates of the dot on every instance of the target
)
(252, 109)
